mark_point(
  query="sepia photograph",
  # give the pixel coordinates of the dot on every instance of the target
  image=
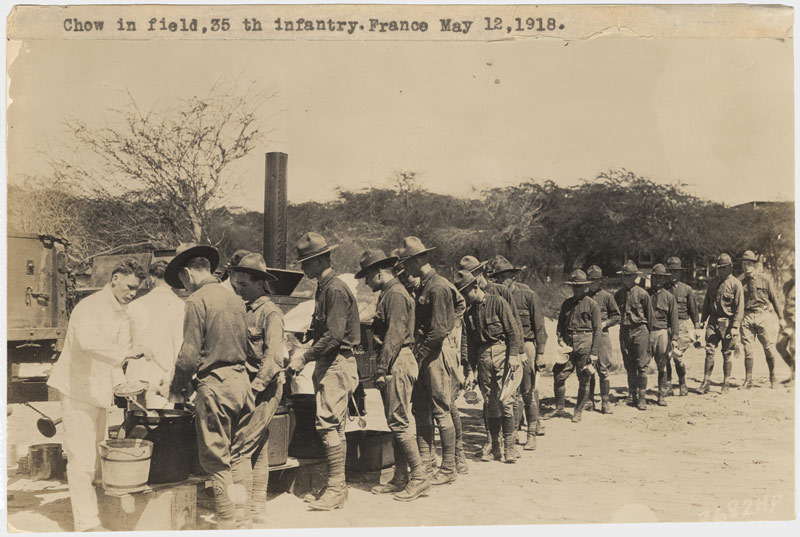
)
(376, 266)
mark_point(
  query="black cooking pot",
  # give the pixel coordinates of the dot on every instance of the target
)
(172, 432)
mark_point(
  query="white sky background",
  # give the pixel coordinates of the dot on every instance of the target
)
(715, 114)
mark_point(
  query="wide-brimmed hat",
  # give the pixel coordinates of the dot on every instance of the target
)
(749, 255)
(500, 264)
(374, 258)
(629, 268)
(463, 279)
(578, 277)
(410, 247)
(312, 245)
(471, 263)
(723, 260)
(232, 262)
(254, 264)
(674, 263)
(594, 273)
(183, 254)
(659, 270)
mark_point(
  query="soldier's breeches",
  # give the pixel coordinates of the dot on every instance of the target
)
(334, 384)
(397, 393)
(717, 333)
(498, 379)
(760, 327)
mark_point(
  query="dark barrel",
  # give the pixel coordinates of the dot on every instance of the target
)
(174, 440)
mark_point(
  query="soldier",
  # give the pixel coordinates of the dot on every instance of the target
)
(609, 316)
(397, 371)
(434, 320)
(785, 343)
(723, 308)
(265, 361)
(636, 323)
(335, 330)
(489, 341)
(665, 326)
(688, 322)
(225, 278)
(98, 343)
(580, 327)
(759, 323)
(478, 269)
(459, 374)
(211, 361)
(535, 338)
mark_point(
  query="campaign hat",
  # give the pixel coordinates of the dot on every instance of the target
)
(578, 277)
(374, 258)
(463, 279)
(254, 264)
(629, 268)
(411, 247)
(312, 245)
(184, 253)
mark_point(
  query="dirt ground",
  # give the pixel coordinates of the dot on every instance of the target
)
(702, 458)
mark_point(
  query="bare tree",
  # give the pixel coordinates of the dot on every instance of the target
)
(176, 157)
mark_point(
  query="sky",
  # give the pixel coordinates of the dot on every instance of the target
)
(714, 114)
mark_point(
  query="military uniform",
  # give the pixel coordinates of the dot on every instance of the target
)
(265, 359)
(433, 392)
(579, 326)
(723, 307)
(609, 316)
(636, 323)
(761, 322)
(214, 350)
(665, 325)
(786, 343)
(688, 319)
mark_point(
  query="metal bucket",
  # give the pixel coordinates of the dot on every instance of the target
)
(125, 463)
(46, 461)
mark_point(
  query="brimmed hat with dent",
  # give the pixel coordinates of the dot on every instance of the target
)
(500, 264)
(464, 279)
(411, 246)
(723, 260)
(254, 264)
(232, 262)
(471, 263)
(578, 277)
(749, 255)
(629, 268)
(594, 273)
(374, 258)
(659, 270)
(674, 263)
(183, 254)
(312, 245)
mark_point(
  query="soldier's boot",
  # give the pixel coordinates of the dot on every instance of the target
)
(662, 396)
(748, 374)
(509, 432)
(681, 370)
(461, 458)
(771, 366)
(560, 391)
(539, 425)
(580, 404)
(335, 495)
(519, 411)
(424, 444)
(419, 484)
(605, 396)
(589, 405)
(705, 386)
(447, 472)
(669, 392)
(532, 417)
(633, 390)
(400, 478)
(726, 370)
(485, 452)
(495, 426)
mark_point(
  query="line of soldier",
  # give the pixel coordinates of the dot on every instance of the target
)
(434, 340)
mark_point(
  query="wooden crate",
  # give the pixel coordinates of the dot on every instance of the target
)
(169, 506)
